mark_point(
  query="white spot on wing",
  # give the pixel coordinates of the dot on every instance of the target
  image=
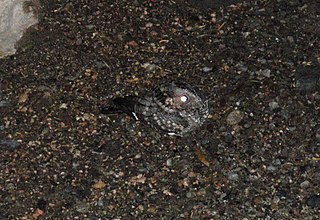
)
(135, 116)
(174, 134)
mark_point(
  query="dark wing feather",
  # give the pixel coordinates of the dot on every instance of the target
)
(121, 104)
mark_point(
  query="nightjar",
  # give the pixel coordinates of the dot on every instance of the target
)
(173, 107)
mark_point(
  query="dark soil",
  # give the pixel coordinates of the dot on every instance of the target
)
(257, 156)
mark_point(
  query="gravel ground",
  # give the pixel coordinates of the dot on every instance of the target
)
(257, 156)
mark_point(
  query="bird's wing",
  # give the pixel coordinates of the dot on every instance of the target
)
(121, 105)
(131, 105)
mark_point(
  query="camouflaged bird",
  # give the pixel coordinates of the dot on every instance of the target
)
(173, 107)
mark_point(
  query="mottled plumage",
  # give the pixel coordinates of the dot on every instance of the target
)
(173, 107)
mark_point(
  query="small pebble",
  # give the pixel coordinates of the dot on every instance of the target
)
(285, 114)
(9, 144)
(189, 195)
(149, 67)
(266, 73)
(169, 162)
(82, 207)
(4, 103)
(90, 26)
(290, 39)
(233, 176)
(234, 117)
(305, 184)
(149, 25)
(308, 79)
(271, 168)
(273, 105)
(100, 203)
(206, 69)
(277, 162)
(314, 201)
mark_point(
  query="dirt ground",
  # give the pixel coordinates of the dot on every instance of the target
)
(256, 157)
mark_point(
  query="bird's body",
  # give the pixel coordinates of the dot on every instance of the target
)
(173, 107)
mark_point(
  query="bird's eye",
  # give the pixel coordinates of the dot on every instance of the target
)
(184, 98)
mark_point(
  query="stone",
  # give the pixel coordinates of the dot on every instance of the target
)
(314, 201)
(308, 79)
(16, 16)
(235, 117)
(273, 105)
(305, 184)
(9, 144)
(233, 176)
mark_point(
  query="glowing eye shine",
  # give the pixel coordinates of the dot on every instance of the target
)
(184, 98)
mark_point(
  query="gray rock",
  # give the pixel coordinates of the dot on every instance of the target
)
(271, 168)
(308, 79)
(206, 69)
(149, 67)
(276, 162)
(15, 17)
(290, 39)
(235, 117)
(273, 105)
(314, 201)
(266, 73)
(4, 103)
(233, 176)
(82, 207)
(189, 195)
(305, 184)
(169, 162)
(9, 144)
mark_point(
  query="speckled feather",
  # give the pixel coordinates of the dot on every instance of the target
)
(173, 107)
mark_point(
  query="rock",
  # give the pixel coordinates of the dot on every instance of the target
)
(308, 79)
(16, 16)
(271, 168)
(285, 114)
(82, 207)
(273, 105)
(314, 201)
(276, 162)
(149, 67)
(169, 162)
(4, 103)
(305, 184)
(90, 26)
(189, 195)
(290, 39)
(234, 117)
(9, 144)
(233, 176)
(207, 69)
(261, 74)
